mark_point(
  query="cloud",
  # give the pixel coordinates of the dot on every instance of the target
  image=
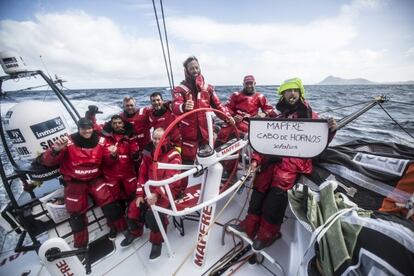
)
(410, 52)
(280, 50)
(84, 49)
(357, 6)
(262, 36)
(95, 52)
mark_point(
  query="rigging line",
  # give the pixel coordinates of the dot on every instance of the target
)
(168, 46)
(400, 126)
(162, 44)
(47, 90)
(401, 102)
(44, 65)
(330, 109)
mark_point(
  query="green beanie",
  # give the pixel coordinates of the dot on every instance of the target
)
(292, 84)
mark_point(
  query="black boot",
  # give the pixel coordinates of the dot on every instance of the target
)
(259, 245)
(82, 256)
(155, 251)
(112, 234)
(129, 238)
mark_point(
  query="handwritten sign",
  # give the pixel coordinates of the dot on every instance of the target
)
(304, 138)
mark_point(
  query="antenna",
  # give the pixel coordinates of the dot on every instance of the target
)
(44, 65)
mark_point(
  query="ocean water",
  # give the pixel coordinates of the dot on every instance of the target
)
(328, 101)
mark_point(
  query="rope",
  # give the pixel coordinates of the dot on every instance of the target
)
(162, 43)
(220, 264)
(44, 65)
(211, 225)
(249, 191)
(225, 258)
(400, 126)
(330, 109)
(166, 42)
(401, 102)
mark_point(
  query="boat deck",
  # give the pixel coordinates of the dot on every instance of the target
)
(287, 251)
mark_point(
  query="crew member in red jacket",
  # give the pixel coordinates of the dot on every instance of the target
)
(120, 152)
(243, 105)
(268, 201)
(138, 209)
(80, 157)
(191, 94)
(139, 119)
(160, 115)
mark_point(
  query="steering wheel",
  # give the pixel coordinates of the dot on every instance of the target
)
(210, 139)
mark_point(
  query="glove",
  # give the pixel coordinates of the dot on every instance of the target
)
(91, 112)
(199, 81)
(93, 109)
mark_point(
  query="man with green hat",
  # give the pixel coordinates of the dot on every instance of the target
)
(268, 201)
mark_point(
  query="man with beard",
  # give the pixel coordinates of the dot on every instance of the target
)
(138, 118)
(120, 152)
(193, 93)
(268, 201)
(243, 105)
(79, 157)
(161, 116)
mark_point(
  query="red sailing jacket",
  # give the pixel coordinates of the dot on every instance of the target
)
(248, 106)
(141, 126)
(205, 96)
(77, 162)
(164, 121)
(170, 156)
(286, 170)
(122, 165)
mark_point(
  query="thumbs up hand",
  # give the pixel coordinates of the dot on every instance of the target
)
(113, 149)
(189, 104)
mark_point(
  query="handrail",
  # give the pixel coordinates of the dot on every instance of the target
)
(195, 169)
(200, 206)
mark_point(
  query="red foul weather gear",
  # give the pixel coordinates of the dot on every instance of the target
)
(120, 169)
(168, 155)
(163, 119)
(193, 128)
(80, 163)
(140, 123)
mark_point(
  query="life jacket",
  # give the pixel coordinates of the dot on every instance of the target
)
(81, 163)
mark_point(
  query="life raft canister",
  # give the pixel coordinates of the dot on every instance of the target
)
(33, 127)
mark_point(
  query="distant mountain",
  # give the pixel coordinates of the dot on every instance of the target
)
(332, 80)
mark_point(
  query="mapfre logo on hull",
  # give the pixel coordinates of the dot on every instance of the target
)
(47, 128)
(205, 221)
(230, 148)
